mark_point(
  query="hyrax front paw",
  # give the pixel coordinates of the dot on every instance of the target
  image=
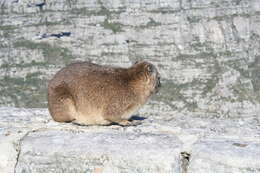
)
(76, 122)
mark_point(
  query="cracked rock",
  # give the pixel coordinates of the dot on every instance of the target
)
(31, 142)
(54, 151)
(214, 156)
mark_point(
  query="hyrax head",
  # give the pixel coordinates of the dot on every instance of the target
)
(149, 74)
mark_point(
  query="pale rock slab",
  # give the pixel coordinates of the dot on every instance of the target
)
(64, 151)
(232, 156)
(31, 142)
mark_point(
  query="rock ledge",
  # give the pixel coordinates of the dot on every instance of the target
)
(31, 142)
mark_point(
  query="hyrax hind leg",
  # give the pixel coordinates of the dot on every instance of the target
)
(61, 104)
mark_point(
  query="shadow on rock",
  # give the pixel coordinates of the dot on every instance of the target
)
(137, 118)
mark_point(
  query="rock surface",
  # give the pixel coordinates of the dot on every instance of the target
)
(31, 142)
(204, 119)
(232, 156)
(207, 51)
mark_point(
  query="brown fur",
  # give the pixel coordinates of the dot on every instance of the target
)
(88, 93)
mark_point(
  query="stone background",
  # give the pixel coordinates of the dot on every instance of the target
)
(205, 118)
(207, 51)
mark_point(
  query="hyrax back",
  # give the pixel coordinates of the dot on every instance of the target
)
(88, 93)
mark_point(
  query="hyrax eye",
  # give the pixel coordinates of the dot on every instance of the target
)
(150, 68)
(136, 62)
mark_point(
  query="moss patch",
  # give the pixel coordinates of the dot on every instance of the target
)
(151, 23)
(24, 92)
(243, 93)
(24, 65)
(202, 55)
(52, 53)
(165, 10)
(89, 12)
(255, 76)
(51, 23)
(7, 31)
(210, 85)
(7, 27)
(194, 19)
(258, 96)
(171, 92)
(114, 26)
(225, 17)
(107, 24)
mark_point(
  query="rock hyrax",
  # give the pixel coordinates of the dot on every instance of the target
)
(89, 94)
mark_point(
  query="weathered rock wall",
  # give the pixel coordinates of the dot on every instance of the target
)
(207, 51)
(208, 54)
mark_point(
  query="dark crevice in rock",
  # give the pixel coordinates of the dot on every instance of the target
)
(62, 34)
(18, 149)
(185, 159)
(235, 32)
(137, 117)
(15, 1)
(40, 5)
(239, 145)
(59, 35)
(19, 146)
